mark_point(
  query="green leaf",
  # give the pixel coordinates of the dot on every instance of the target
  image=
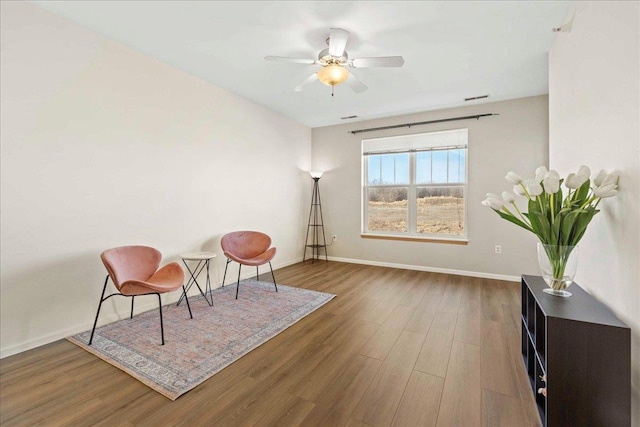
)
(558, 200)
(546, 205)
(534, 207)
(567, 227)
(555, 228)
(541, 226)
(514, 220)
(582, 222)
(580, 196)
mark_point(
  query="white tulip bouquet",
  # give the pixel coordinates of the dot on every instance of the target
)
(558, 220)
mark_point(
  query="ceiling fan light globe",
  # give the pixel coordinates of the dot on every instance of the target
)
(333, 75)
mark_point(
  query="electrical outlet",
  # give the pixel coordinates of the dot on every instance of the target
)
(498, 249)
(335, 238)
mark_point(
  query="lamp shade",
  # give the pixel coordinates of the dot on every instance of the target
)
(316, 174)
(333, 74)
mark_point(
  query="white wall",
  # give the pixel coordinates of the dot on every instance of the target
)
(516, 140)
(594, 109)
(103, 146)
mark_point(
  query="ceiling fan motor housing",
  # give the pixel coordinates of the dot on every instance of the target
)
(325, 58)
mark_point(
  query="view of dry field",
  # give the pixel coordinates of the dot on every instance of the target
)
(436, 215)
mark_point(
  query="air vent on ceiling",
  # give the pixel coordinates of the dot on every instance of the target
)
(348, 117)
(473, 98)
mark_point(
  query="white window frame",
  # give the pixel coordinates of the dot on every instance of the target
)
(412, 187)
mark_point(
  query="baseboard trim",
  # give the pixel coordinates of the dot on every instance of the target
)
(106, 318)
(480, 274)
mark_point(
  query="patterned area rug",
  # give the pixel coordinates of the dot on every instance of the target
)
(195, 349)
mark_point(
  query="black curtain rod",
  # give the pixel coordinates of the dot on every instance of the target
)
(353, 132)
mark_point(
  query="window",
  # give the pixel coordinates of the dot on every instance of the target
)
(414, 185)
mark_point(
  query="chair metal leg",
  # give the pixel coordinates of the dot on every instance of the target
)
(184, 293)
(225, 272)
(238, 285)
(104, 288)
(257, 274)
(274, 277)
(161, 326)
(132, 299)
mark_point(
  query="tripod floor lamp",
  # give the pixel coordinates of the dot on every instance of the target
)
(315, 228)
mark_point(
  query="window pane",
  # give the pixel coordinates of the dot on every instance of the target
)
(387, 209)
(439, 166)
(440, 210)
(394, 168)
(463, 162)
(387, 169)
(402, 168)
(456, 166)
(373, 170)
(423, 167)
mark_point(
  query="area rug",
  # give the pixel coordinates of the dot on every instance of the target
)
(195, 349)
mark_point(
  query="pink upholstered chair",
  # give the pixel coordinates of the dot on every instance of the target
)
(250, 248)
(134, 271)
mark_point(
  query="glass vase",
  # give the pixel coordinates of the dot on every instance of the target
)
(558, 265)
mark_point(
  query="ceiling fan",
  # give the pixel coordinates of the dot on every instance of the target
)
(335, 60)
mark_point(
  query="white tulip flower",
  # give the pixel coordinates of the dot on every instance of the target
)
(612, 178)
(540, 173)
(551, 184)
(605, 191)
(574, 181)
(508, 197)
(495, 204)
(553, 173)
(599, 179)
(534, 188)
(494, 198)
(584, 171)
(519, 190)
(513, 178)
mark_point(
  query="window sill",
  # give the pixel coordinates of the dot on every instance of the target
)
(416, 239)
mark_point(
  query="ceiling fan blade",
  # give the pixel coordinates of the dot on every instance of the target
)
(355, 84)
(381, 61)
(287, 59)
(312, 78)
(337, 41)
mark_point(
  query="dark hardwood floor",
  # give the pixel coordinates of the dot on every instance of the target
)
(395, 347)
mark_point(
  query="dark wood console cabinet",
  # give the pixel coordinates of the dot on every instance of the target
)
(582, 350)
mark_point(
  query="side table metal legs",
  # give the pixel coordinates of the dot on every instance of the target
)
(204, 263)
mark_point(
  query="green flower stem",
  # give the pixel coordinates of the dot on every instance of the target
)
(589, 201)
(524, 219)
(525, 190)
(540, 203)
(558, 258)
(506, 209)
(568, 199)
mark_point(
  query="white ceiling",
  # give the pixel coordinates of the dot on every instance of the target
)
(452, 49)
